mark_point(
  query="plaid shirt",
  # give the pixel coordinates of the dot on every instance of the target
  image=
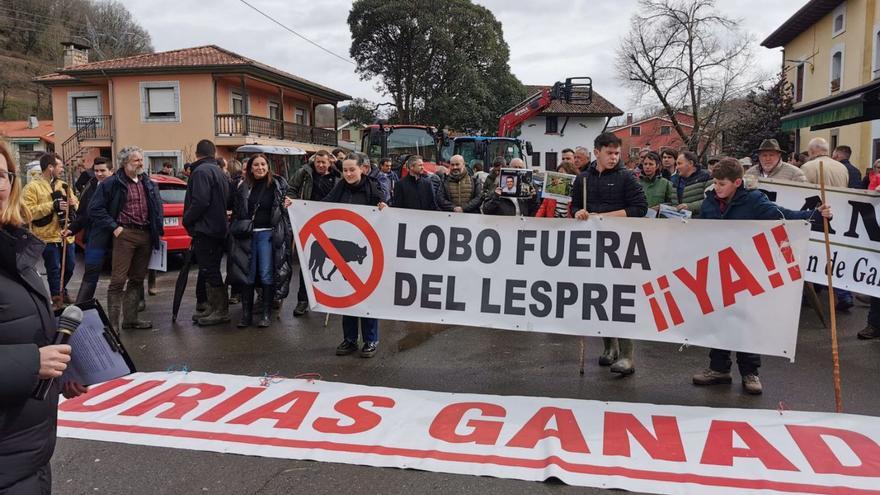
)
(135, 212)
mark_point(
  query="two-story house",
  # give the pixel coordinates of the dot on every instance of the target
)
(27, 139)
(831, 56)
(654, 133)
(565, 125)
(166, 102)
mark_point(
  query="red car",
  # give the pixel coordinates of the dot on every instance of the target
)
(171, 191)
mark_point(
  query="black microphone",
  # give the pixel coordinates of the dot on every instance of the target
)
(68, 322)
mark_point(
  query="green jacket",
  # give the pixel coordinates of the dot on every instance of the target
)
(657, 190)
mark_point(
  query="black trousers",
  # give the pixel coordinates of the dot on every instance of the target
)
(747, 362)
(209, 254)
(301, 294)
(39, 483)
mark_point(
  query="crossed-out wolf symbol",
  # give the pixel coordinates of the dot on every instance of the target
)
(349, 251)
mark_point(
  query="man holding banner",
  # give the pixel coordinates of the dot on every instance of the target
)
(731, 201)
(608, 188)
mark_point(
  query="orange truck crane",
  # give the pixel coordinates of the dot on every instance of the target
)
(576, 90)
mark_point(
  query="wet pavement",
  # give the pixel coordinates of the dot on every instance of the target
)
(430, 357)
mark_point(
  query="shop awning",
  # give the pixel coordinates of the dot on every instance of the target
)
(850, 107)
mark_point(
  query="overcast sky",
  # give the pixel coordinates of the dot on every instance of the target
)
(549, 40)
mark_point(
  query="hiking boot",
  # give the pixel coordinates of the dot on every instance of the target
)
(752, 384)
(57, 303)
(142, 303)
(302, 307)
(369, 349)
(266, 308)
(346, 348)
(66, 298)
(218, 298)
(609, 355)
(130, 319)
(869, 332)
(712, 377)
(203, 309)
(625, 365)
(247, 306)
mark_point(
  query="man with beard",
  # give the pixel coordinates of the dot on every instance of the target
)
(311, 183)
(127, 204)
(460, 192)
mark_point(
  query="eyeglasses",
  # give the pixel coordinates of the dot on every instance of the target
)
(8, 176)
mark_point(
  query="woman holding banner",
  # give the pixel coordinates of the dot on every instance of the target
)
(357, 189)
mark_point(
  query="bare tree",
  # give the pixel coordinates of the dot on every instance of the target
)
(112, 32)
(687, 57)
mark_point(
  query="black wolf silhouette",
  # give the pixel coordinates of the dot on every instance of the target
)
(349, 251)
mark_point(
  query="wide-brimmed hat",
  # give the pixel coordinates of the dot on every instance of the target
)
(770, 145)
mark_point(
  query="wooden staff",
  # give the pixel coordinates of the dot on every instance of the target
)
(64, 243)
(584, 339)
(835, 357)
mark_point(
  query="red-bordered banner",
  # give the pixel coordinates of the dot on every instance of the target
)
(639, 447)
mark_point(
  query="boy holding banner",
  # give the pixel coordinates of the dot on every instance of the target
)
(731, 201)
(606, 187)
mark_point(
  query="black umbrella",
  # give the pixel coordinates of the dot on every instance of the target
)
(180, 285)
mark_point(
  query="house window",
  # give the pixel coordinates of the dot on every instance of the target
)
(274, 110)
(83, 104)
(665, 130)
(835, 137)
(346, 135)
(635, 131)
(551, 159)
(300, 116)
(836, 70)
(24, 148)
(552, 125)
(799, 84)
(237, 103)
(839, 24)
(633, 152)
(160, 101)
(536, 160)
(153, 160)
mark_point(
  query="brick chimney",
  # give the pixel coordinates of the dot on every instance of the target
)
(629, 119)
(74, 54)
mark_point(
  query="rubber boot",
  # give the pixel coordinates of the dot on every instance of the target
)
(625, 365)
(218, 298)
(114, 308)
(610, 353)
(142, 303)
(203, 309)
(130, 301)
(151, 283)
(266, 308)
(247, 306)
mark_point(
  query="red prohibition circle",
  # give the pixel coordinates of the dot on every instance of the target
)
(362, 290)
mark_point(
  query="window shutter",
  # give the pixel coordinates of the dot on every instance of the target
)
(161, 100)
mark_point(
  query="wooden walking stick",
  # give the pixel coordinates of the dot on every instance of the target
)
(584, 339)
(64, 244)
(835, 357)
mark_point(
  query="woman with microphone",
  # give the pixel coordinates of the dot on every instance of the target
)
(27, 328)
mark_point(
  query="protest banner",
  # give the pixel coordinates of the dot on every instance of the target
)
(639, 447)
(854, 233)
(671, 281)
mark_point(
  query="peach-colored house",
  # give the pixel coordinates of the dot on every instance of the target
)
(166, 102)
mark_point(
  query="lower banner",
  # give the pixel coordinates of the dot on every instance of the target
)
(638, 447)
(854, 233)
(728, 284)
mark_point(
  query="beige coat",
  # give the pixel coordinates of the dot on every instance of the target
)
(836, 173)
(782, 171)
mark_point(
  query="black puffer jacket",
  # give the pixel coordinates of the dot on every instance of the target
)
(27, 426)
(611, 190)
(366, 192)
(207, 196)
(239, 260)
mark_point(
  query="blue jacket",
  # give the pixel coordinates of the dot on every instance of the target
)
(107, 203)
(855, 177)
(751, 204)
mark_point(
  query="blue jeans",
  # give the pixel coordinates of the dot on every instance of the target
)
(369, 328)
(261, 258)
(52, 260)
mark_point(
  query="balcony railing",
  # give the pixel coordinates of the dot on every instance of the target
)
(230, 124)
(94, 127)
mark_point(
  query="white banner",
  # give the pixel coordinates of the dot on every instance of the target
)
(854, 233)
(638, 447)
(710, 283)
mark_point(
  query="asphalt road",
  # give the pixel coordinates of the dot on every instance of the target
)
(431, 357)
